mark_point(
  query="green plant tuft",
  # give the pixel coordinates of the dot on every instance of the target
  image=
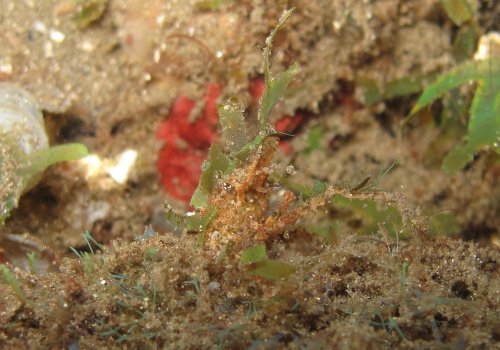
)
(483, 130)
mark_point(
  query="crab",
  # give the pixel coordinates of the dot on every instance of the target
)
(248, 195)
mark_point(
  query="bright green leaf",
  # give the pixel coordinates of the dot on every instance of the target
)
(20, 172)
(41, 160)
(464, 73)
(457, 158)
(483, 130)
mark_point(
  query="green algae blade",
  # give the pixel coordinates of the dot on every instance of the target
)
(459, 11)
(275, 87)
(275, 90)
(272, 269)
(211, 168)
(41, 160)
(483, 129)
(253, 254)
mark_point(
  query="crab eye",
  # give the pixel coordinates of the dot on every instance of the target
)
(227, 187)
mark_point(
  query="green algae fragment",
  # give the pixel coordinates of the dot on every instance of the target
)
(325, 232)
(464, 44)
(211, 5)
(275, 85)
(89, 12)
(318, 188)
(305, 191)
(41, 160)
(275, 90)
(272, 269)
(245, 151)
(204, 222)
(314, 138)
(459, 11)
(261, 266)
(31, 257)
(443, 224)
(10, 279)
(401, 87)
(152, 254)
(253, 254)
(370, 89)
(373, 216)
(213, 167)
(392, 89)
(176, 219)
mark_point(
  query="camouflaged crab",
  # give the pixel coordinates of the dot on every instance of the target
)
(237, 208)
